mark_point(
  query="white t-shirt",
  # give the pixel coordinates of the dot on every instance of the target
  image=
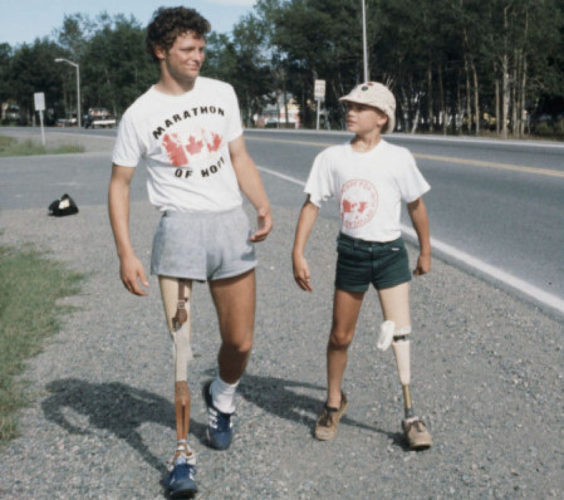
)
(369, 187)
(184, 143)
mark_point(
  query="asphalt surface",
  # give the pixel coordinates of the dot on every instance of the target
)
(487, 374)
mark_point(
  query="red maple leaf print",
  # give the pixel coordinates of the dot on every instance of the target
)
(216, 142)
(347, 206)
(194, 146)
(174, 150)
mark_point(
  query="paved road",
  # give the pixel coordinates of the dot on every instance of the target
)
(487, 375)
(500, 203)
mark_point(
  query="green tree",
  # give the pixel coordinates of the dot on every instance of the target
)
(117, 67)
(32, 70)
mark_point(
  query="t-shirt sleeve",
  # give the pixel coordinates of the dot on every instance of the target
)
(412, 184)
(320, 183)
(234, 125)
(128, 148)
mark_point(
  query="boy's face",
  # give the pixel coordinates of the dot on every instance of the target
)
(362, 118)
(185, 58)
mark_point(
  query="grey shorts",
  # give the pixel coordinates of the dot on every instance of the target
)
(203, 246)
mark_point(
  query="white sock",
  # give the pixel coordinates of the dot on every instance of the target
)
(223, 395)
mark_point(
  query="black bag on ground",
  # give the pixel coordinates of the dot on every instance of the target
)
(63, 206)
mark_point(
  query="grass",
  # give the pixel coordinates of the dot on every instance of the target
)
(31, 284)
(10, 146)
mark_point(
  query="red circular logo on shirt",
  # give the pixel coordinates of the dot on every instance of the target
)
(359, 201)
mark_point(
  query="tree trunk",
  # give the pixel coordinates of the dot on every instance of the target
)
(504, 94)
(514, 96)
(476, 98)
(497, 111)
(523, 92)
(430, 116)
(443, 118)
(468, 98)
(523, 81)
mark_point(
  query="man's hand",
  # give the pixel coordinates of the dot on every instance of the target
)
(423, 265)
(301, 273)
(131, 273)
(264, 223)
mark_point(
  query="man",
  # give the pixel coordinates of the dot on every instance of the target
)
(187, 128)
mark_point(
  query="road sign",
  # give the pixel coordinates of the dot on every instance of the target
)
(39, 100)
(319, 90)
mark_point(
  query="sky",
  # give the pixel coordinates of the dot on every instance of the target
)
(25, 20)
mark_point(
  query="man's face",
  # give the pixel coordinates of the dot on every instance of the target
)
(185, 58)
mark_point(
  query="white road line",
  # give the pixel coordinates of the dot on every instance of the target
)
(508, 279)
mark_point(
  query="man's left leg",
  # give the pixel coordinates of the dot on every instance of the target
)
(234, 300)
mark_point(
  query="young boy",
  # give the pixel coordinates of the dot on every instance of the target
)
(187, 128)
(370, 177)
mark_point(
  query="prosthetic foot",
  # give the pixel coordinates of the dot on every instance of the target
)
(414, 429)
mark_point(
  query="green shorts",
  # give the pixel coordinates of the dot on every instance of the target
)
(360, 263)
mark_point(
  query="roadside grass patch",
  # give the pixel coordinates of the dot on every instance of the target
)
(10, 146)
(31, 285)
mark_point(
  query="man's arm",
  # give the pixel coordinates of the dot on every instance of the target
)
(131, 269)
(306, 220)
(418, 214)
(251, 184)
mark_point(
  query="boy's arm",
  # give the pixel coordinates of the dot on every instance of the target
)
(131, 269)
(306, 220)
(418, 214)
(251, 184)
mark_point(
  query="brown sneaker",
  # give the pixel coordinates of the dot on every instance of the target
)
(326, 425)
(416, 434)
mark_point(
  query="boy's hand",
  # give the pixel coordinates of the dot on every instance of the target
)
(131, 272)
(264, 222)
(301, 273)
(423, 265)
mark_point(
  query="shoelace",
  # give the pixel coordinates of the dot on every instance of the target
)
(218, 420)
(327, 417)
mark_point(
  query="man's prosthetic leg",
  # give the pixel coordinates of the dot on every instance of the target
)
(414, 428)
(176, 299)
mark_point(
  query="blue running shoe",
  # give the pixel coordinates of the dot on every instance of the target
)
(220, 427)
(180, 482)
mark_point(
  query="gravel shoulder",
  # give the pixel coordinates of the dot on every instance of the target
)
(487, 377)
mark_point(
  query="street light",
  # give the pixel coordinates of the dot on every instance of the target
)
(62, 59)
(364, 49)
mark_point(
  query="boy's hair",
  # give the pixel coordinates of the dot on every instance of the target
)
(168, 23)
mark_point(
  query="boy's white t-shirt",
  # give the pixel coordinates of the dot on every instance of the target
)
(369, 187)
(184, 143)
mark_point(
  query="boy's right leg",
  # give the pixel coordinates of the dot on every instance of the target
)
(395, 307)
(346, 308)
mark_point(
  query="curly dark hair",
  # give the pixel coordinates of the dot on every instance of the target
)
(168, 23)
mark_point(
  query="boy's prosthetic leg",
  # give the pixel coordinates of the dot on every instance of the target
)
(416, 433)
(400, 344)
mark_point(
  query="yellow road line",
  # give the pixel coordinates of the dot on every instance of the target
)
(446, 159)
(490, 164)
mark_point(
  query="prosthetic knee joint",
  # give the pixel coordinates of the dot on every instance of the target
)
(397, 338)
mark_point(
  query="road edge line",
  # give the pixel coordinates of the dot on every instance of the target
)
(522, 286)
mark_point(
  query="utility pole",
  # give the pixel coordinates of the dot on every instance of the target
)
(364, 44)
(77, 67)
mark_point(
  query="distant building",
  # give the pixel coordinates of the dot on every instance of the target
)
(274, 115)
